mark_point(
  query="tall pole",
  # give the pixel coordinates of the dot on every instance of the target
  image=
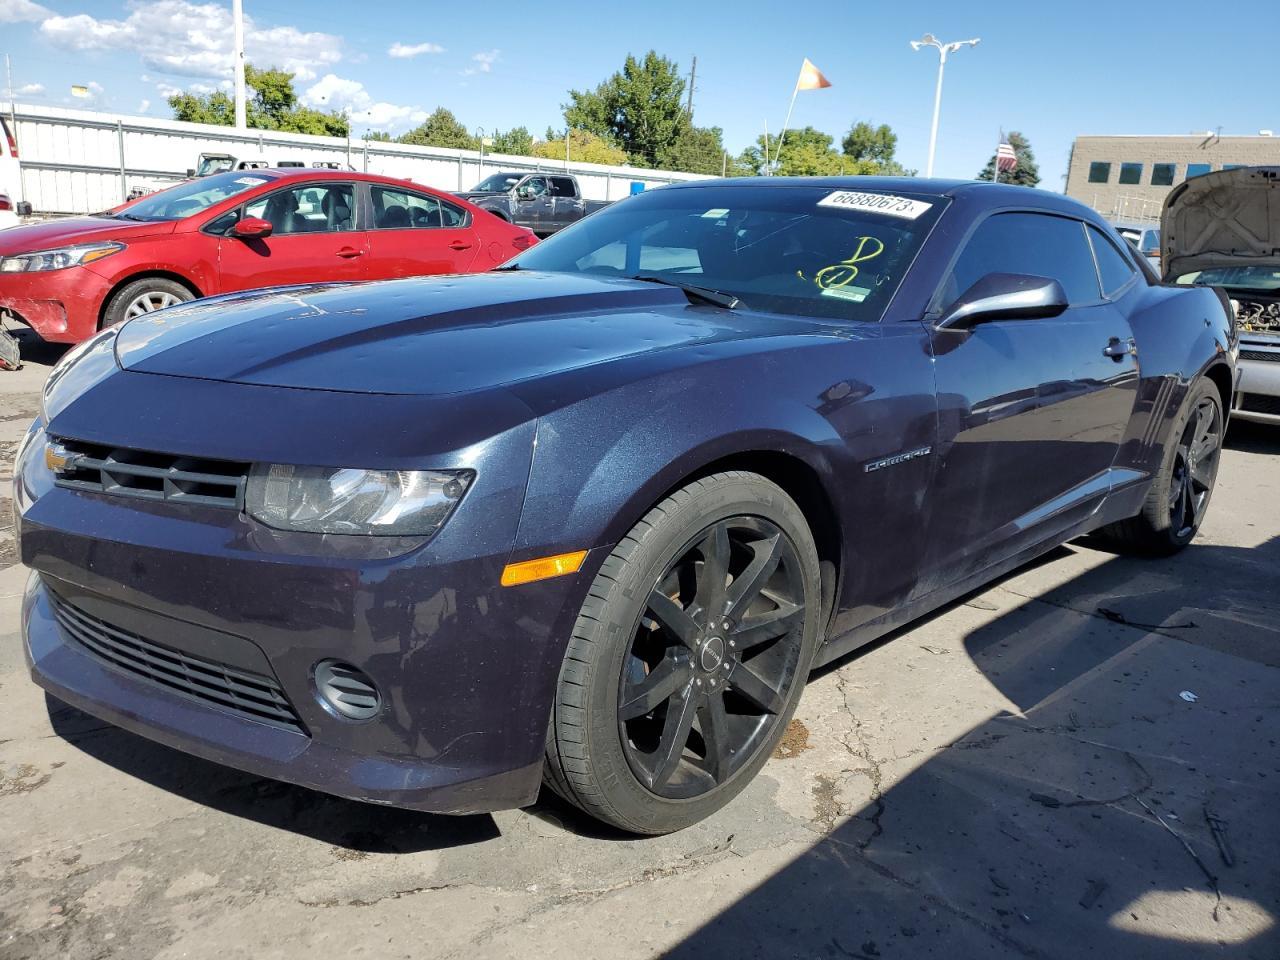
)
(786, 123)
(237, 15)
(693, 78)
(767, 171)
(937, 109)
(995, 161)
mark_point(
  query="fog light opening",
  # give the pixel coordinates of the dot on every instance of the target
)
(346, 691)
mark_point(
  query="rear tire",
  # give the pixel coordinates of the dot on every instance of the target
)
(688, 658)
(1180, 492)
(144, 296)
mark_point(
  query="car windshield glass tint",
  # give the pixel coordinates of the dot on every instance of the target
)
(498, 182)
(191, 197)
(212, 165)
(1248, 278)
(814, 251)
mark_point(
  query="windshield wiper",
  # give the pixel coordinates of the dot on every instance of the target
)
(705, 294)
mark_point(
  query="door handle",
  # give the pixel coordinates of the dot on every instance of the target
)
(1118, 349)
(350, 253)
(459, 245)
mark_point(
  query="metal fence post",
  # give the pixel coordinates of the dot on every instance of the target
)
(124, 180)
(366, 156)
(608, 183)
(459, 171)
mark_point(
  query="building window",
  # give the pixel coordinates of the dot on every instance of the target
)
(1198, 169)
(1099, 172)
(1130, 173)
(1232, 166)
(1162, 174)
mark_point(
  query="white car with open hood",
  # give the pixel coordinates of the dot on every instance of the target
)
(1223, 230)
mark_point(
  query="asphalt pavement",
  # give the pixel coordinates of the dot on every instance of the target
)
(1079, 761)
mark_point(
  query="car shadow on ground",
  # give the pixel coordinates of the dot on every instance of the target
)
(33, 349)
(1039, 833)
(1249, 437)
(348, 824)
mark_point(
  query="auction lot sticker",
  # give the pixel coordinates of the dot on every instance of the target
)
(885, 203)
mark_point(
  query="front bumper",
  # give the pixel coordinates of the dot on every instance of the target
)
(466, 668)
(61, 306)
(1258, 395)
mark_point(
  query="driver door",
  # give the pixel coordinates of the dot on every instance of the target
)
(1031, 412)
(538, 211)
(313, 239)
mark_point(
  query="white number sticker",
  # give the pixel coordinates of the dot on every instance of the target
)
(250, 181)
(903, 207)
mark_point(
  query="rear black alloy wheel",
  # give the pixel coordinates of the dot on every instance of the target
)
(713, 658)
(1195, 467)
(688, 657)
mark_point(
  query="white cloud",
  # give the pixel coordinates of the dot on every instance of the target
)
(22, 11)
(144, 106)
(483, 61)
(332, 92)
(193, 39)
(29, 90)
(404, 51)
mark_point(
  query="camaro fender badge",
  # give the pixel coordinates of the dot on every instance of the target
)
(896, 459)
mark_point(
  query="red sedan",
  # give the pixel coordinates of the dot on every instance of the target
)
(232, 231)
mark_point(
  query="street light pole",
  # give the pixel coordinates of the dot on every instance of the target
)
(237, 15)
(929, 40)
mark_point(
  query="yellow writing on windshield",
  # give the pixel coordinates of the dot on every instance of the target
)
(843, 273)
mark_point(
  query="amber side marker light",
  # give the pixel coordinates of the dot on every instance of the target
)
(514, 574)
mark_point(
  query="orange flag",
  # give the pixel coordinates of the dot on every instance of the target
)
(811, 77)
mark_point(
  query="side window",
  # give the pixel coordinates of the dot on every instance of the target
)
(313, 208)
(1130, 173)
(1162, 174)
(401, 210)
(1035, 244)
(562, 187)
(1099, 172)
(1113, 268)
(452, 216)
(536, 185)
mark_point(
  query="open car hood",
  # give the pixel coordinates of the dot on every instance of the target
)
(1230, 218)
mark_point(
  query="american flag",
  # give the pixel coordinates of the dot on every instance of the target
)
(1006, 159)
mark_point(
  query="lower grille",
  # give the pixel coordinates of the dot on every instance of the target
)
(1260, 403)
(1262, 355)
(252, 696)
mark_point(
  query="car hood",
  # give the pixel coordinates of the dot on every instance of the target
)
(1230, 218)
(424, 336)
(72, 230)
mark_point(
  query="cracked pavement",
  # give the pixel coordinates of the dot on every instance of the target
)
(984, 784)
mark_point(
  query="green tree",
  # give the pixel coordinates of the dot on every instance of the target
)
(870, 151)
(441, 129)
(517, 142)
(640, 108)
(696, 150)
(584, 147)
(377, 136)
(273, 106)
(1025, 174)
(806, 152)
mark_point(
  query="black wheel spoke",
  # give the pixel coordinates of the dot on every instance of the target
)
(746, 585)
(673, 618)
(1188, 513)
(768, 626)
(675, 734)
(1202, 475)
(713, 578)
(713, 723)
(656, 688)
(751, 685)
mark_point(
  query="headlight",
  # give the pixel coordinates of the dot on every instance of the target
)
(59, 259)
(404, 503)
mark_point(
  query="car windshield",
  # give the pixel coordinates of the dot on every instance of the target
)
(800, 249)
(1245, 277)
(498, 182)
(213, 163)
(191, 196)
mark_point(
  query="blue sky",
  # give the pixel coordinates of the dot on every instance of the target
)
(1050, 70)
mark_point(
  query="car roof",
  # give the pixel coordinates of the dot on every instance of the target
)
(981, 191)
(328, 173)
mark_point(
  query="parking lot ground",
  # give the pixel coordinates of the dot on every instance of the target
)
(1020, 775)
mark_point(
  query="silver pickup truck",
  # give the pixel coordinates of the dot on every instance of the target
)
(542, 202)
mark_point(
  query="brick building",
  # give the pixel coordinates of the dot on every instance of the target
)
(1127, 177)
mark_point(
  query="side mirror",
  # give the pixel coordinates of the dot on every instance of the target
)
(1005, 296)
(251, 228)
(524, 192)
(190, 172)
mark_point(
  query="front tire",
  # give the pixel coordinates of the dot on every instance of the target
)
(144, 296)
(689, 656)
(1180, 492)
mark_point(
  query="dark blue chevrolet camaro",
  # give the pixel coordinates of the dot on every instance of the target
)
(592, 518)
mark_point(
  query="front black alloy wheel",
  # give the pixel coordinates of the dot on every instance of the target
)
(713, 657)
(688, 657)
